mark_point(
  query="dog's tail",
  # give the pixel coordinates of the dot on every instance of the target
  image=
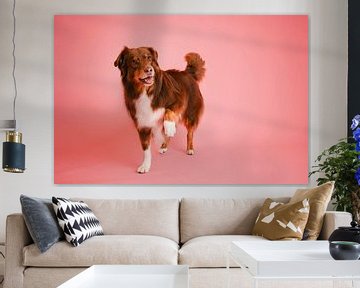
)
(195, 66)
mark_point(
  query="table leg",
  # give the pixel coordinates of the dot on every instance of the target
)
(255, 283)
(355, 283)
(228, 269)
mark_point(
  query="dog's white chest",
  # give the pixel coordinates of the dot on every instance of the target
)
(146, 116)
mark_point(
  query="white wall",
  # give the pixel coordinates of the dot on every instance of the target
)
(34, 40)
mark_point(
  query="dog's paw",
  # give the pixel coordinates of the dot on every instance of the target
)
(190, 152)
(143, 168)
(162, 150)
(169, 128)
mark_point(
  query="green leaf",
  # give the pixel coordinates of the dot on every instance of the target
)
(338, 163)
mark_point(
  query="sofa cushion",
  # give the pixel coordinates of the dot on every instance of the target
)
(107, 249)
(77, 220)
(211, 251)
(279, 221)
(201, 217)
(41, 221)
(319, 198)
(158, 217)
(35, 277)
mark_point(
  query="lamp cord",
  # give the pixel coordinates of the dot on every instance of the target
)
(14, 61)
(2, 280)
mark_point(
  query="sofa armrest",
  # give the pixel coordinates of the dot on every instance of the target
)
(333, 220)
(17, 237)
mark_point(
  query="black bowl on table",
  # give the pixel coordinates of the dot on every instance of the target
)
(344, 250)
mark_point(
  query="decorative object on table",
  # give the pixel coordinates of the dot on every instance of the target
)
(341, 163)
(13, 149)
(351, 233)
(344, 250)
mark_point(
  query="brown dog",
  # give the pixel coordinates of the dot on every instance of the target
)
(157, 100)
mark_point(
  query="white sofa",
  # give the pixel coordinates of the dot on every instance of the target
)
(194, 232)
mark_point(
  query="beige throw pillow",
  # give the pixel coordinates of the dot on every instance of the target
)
(319, 198)
(279, 221)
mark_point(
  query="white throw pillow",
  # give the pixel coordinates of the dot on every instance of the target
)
(77, 220)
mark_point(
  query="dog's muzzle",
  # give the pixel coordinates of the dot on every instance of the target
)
(149, 75)
(148, 80)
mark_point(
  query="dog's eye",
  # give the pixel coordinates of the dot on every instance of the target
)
(149, 58)
(135, 62)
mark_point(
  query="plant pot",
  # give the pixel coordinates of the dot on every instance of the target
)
(351, 233)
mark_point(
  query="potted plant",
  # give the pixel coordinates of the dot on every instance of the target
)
(341, 163)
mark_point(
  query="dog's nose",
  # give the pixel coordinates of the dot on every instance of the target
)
(149, 69)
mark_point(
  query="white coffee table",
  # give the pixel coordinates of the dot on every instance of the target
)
(131, 276)
(284, 260)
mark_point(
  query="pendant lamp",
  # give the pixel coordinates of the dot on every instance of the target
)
(13, 158)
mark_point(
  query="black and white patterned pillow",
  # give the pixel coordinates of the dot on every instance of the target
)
(77, 220)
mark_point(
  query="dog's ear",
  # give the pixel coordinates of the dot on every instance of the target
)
(154, 53)
(120, 61)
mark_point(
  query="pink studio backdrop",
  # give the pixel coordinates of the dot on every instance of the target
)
(255, 126)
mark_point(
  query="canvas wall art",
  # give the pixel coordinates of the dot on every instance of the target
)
(233, 109)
